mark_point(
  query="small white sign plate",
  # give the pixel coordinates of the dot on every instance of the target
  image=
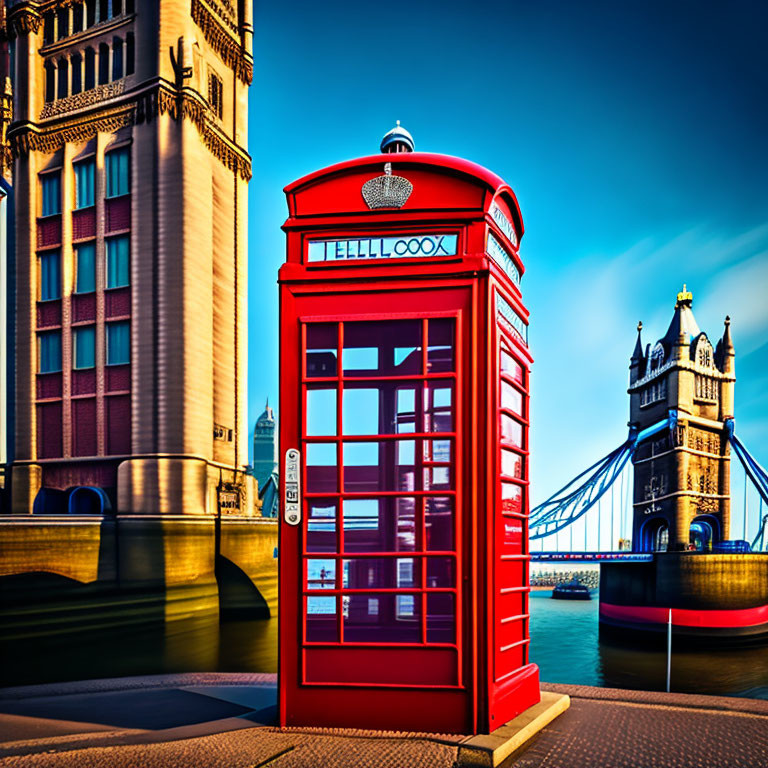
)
(292, 488)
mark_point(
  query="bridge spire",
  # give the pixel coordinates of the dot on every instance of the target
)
(635, 362)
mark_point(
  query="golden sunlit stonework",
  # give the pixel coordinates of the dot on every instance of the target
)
(130, 280)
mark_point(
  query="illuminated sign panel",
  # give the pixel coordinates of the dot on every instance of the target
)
(499, 254)
(396, 247)
(505, 225)
(506, 312)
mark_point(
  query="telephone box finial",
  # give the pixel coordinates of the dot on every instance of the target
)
(397, 140)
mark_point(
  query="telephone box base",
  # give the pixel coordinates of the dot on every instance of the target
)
(490, 750)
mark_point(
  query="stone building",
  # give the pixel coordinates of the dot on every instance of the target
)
(130, 180)
(682, 476)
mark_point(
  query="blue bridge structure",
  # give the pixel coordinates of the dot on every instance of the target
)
(596, 489)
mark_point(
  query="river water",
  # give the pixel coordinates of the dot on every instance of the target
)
(565, 643)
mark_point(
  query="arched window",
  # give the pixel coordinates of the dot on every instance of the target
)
(90, 68)
(103, 63)
(104, 10)
(50, 81)
(90, 13)
(77, 73)
(657, 357)
(704, 354)
(61, 92)
(130, 53)
(117, 58)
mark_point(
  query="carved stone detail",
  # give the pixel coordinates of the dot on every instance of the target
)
(22, 21)
(146, 106)
(84, 99)
(231, 52)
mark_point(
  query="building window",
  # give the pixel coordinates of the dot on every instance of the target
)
(90, 13)
(85, 268)
(117, 7)
(705, 355)
(706, 388)
(118, 178)
(118, 343)
(50, 276)
(63, 84)
(49, 344)
(90, 69)
(130, 53)
(51, 188)
(84, 348)
(49, 25)
(50, 81)
(77, 73)
(215, 94)
(105, 10)
(84, 183)
(77, 18)
(62, 18)
(103, 63)
(118, 262)
(117, 58)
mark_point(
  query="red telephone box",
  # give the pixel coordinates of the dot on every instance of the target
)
(404, 435)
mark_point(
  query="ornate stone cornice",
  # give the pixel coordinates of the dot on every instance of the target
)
(142, 108)
(230, 50)
(83, 99)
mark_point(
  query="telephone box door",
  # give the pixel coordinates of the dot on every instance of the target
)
(371, 592)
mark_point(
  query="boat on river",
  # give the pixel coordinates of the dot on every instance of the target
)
(571, 591)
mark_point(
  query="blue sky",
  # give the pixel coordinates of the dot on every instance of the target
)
(634, 135)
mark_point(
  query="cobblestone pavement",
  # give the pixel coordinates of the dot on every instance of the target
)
(218, 728)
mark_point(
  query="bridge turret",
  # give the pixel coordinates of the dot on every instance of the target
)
(637, 361)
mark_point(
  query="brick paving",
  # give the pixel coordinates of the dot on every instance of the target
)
(604, 728)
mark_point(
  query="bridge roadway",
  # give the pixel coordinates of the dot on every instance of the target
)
(226, 721)
(591, 557)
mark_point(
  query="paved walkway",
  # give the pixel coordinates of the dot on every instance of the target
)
(225, 721)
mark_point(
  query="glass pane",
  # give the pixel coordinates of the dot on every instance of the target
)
(118, 344)
(511, 399)
(50, 352)
(86, 268)
(380, 573)
(360, 411)
(321, 526)
(379, 409)
(441, 618)
(511, 464)
(440, 572)
(321, 619)
(50, 276)
(511, 431)
(437, 479)
(438, 522)
(321, 412)
(382, 618)
(437, 450)
(440, 353)
(118, 262)
(322, 344)
(380, 525)
(379, 466)
(438, 408)
(321, 574)
(511, 498)
(511, 367)
(387, 348)
(321, 467)
(84, 343)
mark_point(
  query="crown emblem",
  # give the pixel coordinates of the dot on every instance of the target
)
(387, 191)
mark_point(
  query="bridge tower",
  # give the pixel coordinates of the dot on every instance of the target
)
(682, 476)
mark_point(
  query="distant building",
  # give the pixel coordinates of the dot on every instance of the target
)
(265, 448)
(130, 184)
(682, 477)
